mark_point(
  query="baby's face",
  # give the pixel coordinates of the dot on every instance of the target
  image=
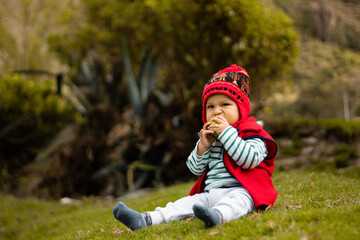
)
(222, 105)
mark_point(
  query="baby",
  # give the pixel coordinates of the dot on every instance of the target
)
(234, 157)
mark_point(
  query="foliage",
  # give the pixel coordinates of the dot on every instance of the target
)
(345, 130)
(194, 38)
(309, 205)
(30, 112)
(181, 37)
(324, 80)
(344, 154)
(321, 71)
(339, 128)
(25, 26)
(100, 141)
(140, 89)
(21, 97)
(334, 21)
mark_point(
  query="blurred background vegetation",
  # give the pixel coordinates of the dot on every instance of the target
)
(101, 97)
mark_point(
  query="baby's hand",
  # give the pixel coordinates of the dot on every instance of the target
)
(206, 139)
(221, 125)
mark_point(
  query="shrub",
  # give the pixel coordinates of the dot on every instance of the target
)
(29, 114)
(344, 130)
(344, 154)
(21, 98)
(339, 128)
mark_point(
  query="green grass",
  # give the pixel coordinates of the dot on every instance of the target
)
(310, 205)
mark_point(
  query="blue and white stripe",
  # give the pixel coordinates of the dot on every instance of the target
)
(247, 154)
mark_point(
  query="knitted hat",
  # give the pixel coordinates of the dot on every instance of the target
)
(234, 82)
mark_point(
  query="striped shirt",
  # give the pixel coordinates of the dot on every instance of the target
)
(247, 154)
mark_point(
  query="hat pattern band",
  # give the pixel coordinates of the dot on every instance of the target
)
(238, 78)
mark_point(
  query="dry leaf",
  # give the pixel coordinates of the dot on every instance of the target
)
(341, 197)
(118, 231)
(271, 224)
(215, 232)
(306, 237)
(268, 207)
(293, 207)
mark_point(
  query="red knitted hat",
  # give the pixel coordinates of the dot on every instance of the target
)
(234, 82)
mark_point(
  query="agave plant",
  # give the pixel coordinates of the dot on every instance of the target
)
(84, 143)
(140, 89)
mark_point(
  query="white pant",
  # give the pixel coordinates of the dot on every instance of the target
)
(233, 203)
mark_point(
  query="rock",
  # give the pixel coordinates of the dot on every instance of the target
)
(310, 140)
(69, 201)
(307, 150)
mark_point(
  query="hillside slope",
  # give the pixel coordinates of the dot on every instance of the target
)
(325, 81)
(310, 205)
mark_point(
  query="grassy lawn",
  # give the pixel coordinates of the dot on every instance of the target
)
(310, 205)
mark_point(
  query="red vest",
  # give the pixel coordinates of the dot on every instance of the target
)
(256, 181)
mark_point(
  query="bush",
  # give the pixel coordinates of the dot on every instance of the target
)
(344, 130)
(21, 98)
(344, 154)
(30, 113)
(339, 128)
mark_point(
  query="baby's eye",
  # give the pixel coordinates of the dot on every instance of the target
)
(210, 107)
(226, 104)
